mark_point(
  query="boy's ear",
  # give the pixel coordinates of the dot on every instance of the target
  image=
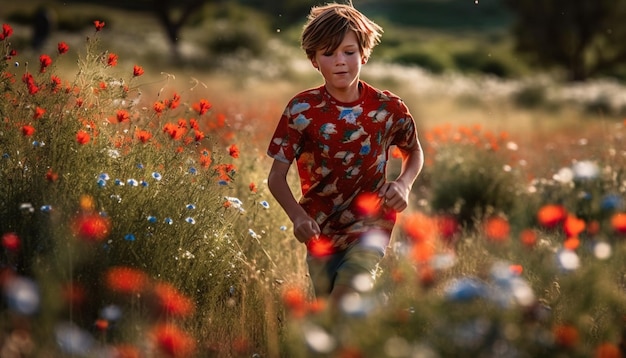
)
(363, 60)
(314, 63)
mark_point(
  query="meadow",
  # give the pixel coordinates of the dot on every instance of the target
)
(136, 221)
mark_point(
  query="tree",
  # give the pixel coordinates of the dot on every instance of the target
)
(583, 37)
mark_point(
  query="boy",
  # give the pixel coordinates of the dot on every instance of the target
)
(340, 134)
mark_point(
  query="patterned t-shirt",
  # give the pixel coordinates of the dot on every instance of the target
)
(341, 151)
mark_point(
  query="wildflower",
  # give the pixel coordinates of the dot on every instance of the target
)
(190, 206)
(98, 24)
(157, 176)
(73, 340)
(168, 221)
(618, 223)
(265, 204)
(190, 220)
(573, 226)
(419, 227)
(122, 116)
(252, 187)
(528, 237)
(51, 176)
(104, 176)
(143, 136)
(565, 335)
(11, 241)
(158, 107)
(86, 203)
(233, 150)
(39, 112)
(101, 324)
(295, 300)
(171, 302)
(28, 79)
(173, 104)
(551, 215)
(585, 170)
(253, 234)
(91, 227)
(45, 208)
(7, 31)
(125, 280)
(129, 237)
(137, 71)
(607, 350)
(22, 295)
(152, 219)
(44, 62)
(198, 135)
(320, 246)
(202, 107)
(132, 182)
(55, 83)
(173, 341)
(112, 60)
(62, 47)
(82, 137)
(497, 229)
(447, 226)
(28, 130)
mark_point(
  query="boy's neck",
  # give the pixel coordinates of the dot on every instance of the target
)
(347, 95)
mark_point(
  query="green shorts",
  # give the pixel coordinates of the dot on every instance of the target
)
(343, 267)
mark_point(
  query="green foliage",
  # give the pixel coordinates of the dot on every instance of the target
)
(571, 35)
(471, 183)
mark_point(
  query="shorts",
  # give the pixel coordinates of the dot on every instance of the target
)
(345, 267)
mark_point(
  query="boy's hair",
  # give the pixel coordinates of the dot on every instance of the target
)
(327, 25)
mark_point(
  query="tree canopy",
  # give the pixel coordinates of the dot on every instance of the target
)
(583, 37)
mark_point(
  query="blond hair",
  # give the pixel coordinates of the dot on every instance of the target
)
(327, 25)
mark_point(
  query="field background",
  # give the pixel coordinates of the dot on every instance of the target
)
(452, 63)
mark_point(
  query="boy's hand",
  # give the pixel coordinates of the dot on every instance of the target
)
(395, 195)
(305, 229)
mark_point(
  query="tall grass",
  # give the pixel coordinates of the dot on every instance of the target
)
(136, 222)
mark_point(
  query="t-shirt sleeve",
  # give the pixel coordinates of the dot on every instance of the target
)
(405, 136)
(285, 144)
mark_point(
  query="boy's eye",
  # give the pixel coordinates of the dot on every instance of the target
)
(349, 53)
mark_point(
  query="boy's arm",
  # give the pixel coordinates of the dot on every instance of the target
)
(396, 193)
(304, 227)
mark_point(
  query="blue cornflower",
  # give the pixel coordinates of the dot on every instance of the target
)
(5, 155)
(190, 220)
(265, 204)
(140, 166)
(152, 219)
(132, 182)
(46, 208)
(283, 228)
(168, 221)
(144, 183)
(119, 182)
(222, 182)
(104, 176)
(193, 170)
(102, 183)
(156, 176)
(190, 206)
(129, 237)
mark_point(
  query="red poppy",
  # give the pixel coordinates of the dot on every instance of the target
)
(55, 83)
(573, 226)
(368, 204)
(11, 241)
(125, 280)
(419, 227)
(62, 47)
(173, 341)
(321, 246)
(52, 176)
(551, 215)
(143, 136)
(158, 107)
(198, 135)
(92, 227)
(497, 229)
(101, 324)
(233, 150)
(112, 60)
(39, 112)
(528, 237)
(571, 243)
(44, 62)
(170, 301)
(98, 24)
(7, 31)
(28, 130)
(618, 222)
(175, 101)
(252, 187)
(447, 226)
(82, 137)
(295, 300)
(137, 71)
(607, 350)
(565, 335)
(202, 107)
(122, 116)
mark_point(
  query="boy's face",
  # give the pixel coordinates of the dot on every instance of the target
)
(342, 67)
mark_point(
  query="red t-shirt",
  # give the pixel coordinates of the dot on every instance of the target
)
(341, 151)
